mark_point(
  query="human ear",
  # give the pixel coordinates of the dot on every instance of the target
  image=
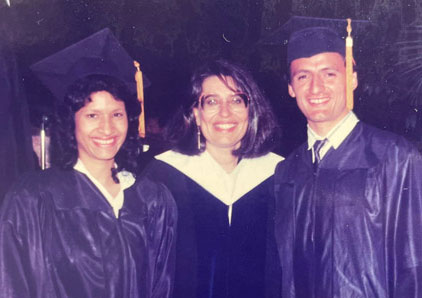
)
(197, 116)
(355, 80)
(291, 91)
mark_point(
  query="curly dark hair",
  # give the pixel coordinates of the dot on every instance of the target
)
(262, 132)
(64, 145)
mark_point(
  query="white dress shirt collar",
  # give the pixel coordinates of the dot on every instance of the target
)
(126, 180)
(335, 136)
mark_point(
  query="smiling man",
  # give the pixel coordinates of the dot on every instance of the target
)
(349, 200)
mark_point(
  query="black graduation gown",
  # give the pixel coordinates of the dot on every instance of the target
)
(353, 227)
(59, 238)
(215, 259)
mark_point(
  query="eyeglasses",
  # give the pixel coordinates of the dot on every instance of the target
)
(212, 103)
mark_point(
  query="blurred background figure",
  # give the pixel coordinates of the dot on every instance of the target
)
(16, 154)
(220, 172)
(84, 227)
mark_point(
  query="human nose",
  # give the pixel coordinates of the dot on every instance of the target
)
(317, 84)
(224, 108)
(106, 125)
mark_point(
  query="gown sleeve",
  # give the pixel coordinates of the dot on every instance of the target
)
(23, 272)
(162, 239)
(404, 223)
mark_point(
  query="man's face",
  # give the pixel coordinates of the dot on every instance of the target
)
(319, 85)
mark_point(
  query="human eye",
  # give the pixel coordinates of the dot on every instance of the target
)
(238, 99)
(118, 114)
(330, 73)
(301, 77)
(211, 101)
(91, 115)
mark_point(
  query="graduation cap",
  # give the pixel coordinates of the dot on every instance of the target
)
(100, 53)
(282, 35)
(308, 36)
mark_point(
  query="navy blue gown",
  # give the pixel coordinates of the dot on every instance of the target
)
(215, 259)
(59, 237)
(351, 227)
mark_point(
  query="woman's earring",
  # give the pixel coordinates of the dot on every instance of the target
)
(198, 133)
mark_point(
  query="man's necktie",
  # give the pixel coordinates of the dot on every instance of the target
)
(317, 147)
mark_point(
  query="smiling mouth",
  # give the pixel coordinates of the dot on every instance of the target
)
(316, 101)
(225, 126)
(104, 141)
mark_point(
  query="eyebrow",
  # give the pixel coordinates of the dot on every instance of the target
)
(328, 68)
(91, 110)
(208, 95)
(300, 71)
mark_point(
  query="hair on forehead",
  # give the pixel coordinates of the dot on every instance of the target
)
(227, 81)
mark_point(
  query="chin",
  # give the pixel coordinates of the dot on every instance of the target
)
(232, 146)
(106, 156)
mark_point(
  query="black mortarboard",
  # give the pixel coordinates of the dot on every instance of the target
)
(314, 40)
(308, 36)
(100, 53)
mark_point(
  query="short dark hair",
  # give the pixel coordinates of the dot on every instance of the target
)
(64, 145)
(261, 134)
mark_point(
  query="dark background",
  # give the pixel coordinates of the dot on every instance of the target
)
(170, 37)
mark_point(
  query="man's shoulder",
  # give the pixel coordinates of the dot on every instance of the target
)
(367, 145)
(371, 131)
(384, 141)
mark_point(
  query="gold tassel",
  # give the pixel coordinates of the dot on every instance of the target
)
(140, 94)
(349, 66)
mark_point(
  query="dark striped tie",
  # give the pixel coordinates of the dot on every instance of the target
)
(317, 147)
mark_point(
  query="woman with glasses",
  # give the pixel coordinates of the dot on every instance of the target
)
(220, 173)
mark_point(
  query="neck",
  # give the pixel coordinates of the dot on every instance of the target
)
(323, 128)
(100, 170)
(320, 130)
(224, 157)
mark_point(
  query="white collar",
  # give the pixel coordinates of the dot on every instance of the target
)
(336, 135)
(126, 180)
(228, 188)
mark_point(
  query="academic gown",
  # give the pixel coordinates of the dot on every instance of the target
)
(215, 259)
(351, 227)
(59, 237)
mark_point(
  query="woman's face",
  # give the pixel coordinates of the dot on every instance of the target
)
(222, 114)
(100, 129)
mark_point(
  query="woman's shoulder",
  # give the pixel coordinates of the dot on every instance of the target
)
(271, 158)
(166, 166)
(153, 194)
(268, 161)
(175, 159)
(150, 189)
